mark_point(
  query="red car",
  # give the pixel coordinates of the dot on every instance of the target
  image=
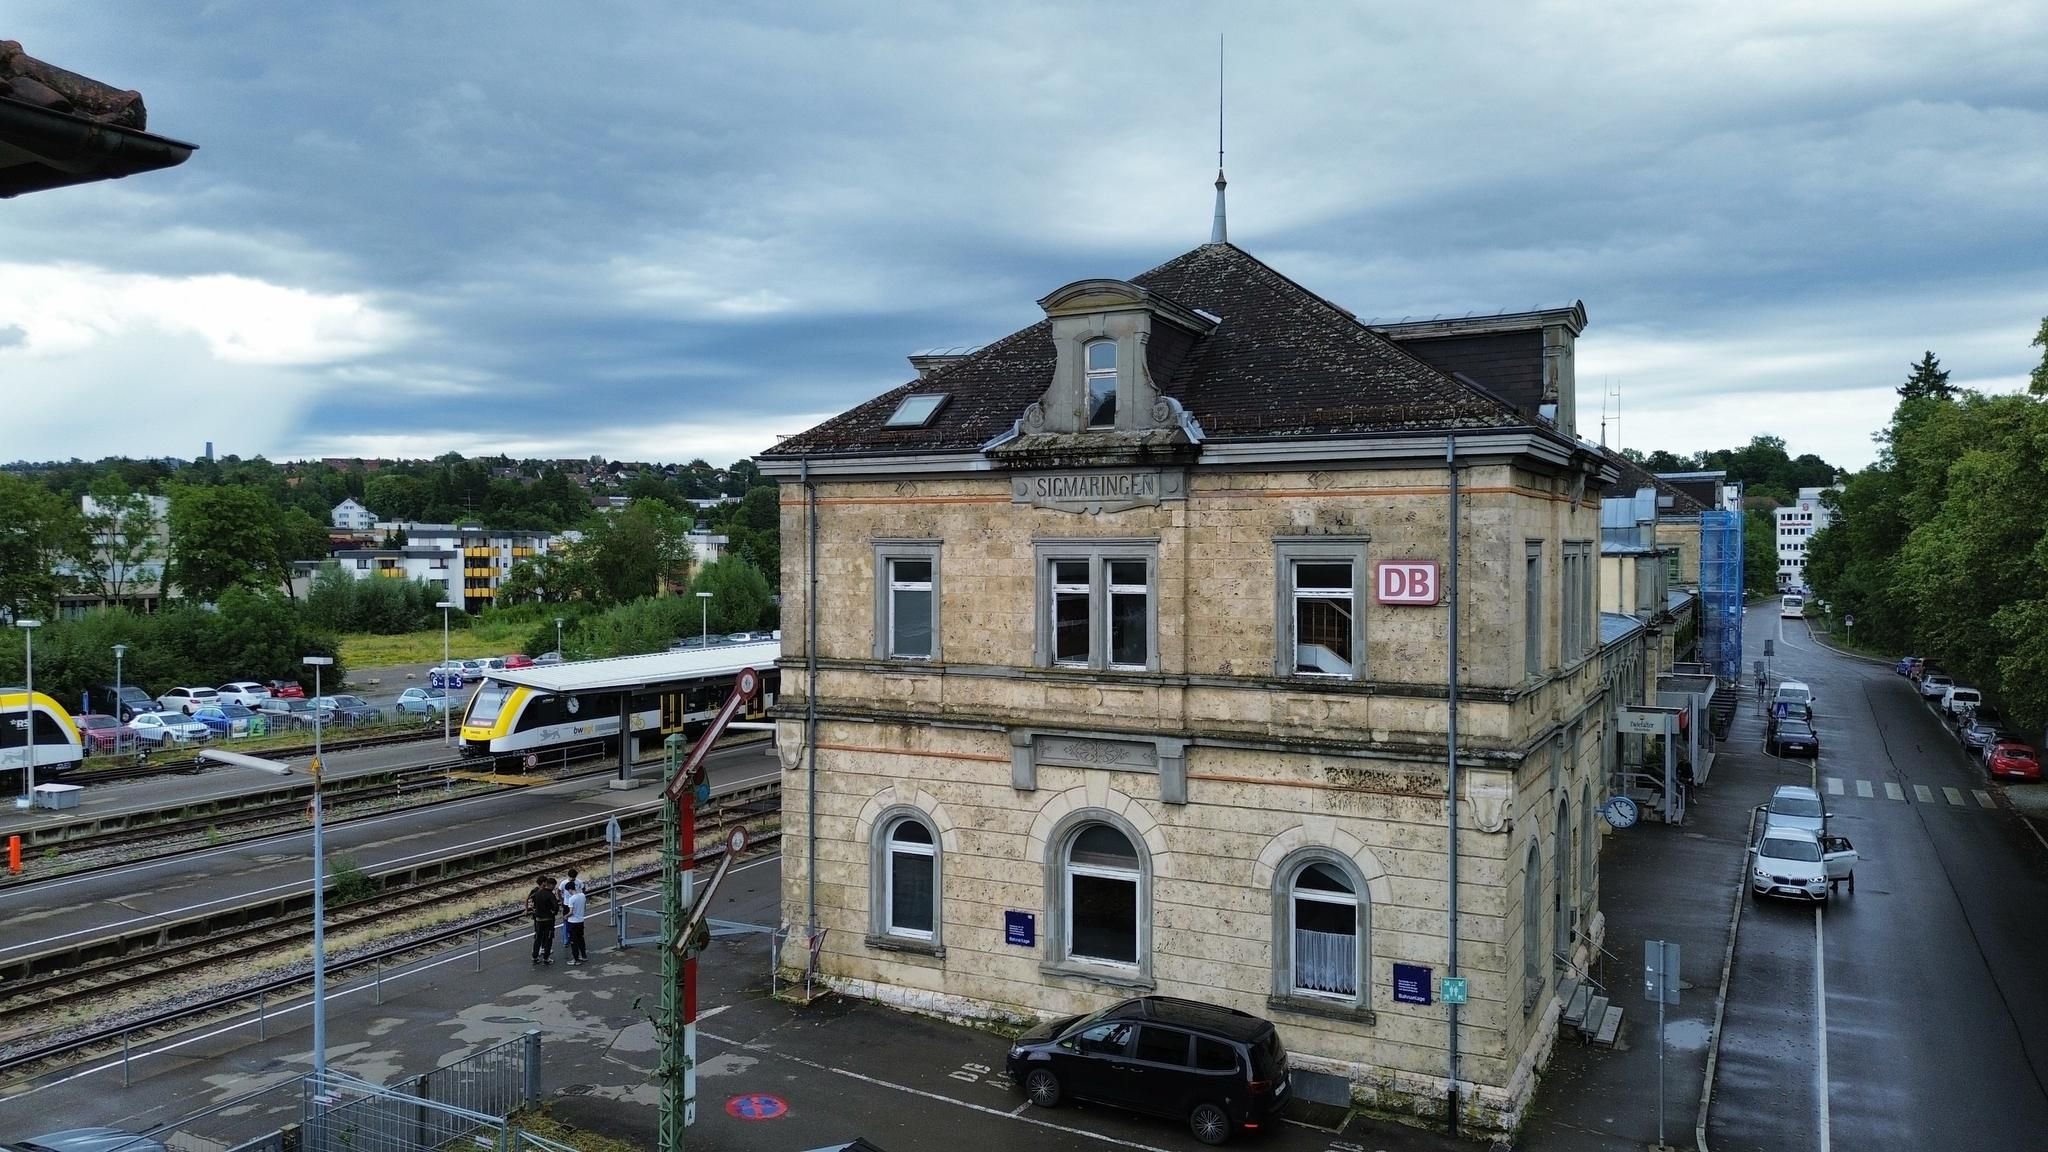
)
(518, 661)
(103, 733)
(287, 690)
(2012, 760)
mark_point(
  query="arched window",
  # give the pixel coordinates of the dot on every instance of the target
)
(905, 892)
(1104, 897)
(1102, 384)
(1323, 941)
(1561, 917)
(1532, 925)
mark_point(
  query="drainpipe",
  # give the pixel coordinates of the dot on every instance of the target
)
(810, 714)
(1451, 775)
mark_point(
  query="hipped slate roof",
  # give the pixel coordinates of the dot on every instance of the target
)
(1283, 362)
(1634, 477)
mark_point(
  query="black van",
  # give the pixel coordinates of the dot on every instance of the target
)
(133, 701)
(1219, 1069)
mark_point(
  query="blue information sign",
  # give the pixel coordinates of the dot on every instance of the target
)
(1021, 929)
(1411, 984)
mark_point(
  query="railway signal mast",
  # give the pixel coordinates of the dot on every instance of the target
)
(683, 911)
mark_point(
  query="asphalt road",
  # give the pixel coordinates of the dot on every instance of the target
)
(40, 916)
(1911, 1013)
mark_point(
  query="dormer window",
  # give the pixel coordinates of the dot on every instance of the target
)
(1102, 384)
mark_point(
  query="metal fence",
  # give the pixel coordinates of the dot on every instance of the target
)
(468, 1098)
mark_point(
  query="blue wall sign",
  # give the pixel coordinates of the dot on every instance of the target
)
(1021, 929)
(1411, 984)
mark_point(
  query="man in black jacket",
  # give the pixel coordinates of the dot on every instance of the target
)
(542, 904)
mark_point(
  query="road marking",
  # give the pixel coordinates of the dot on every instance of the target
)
(1892, 791)
(1834, 785)
(1954, 797)
(708, 1013)
(1921, 793)
(1984, 799)
(1863, 789)
(1820, 1020)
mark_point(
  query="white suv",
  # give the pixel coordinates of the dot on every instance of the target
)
(247, 693)
(187, 700)
(1959, 697)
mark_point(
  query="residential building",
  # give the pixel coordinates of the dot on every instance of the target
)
(128, 563)
(1796, 525)
(1132, 671)
(442, 554)
(351, 516)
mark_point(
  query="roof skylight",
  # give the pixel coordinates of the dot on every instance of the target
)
(916, 411)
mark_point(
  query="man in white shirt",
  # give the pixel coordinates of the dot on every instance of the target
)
(574, 904)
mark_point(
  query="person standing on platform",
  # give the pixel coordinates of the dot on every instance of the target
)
(578, 953)
(542, 903)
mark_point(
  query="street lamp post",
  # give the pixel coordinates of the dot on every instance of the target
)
(319, 887)
(704, 618)
(558, 639)
(447, 737)
(120, 650)
(28, 639)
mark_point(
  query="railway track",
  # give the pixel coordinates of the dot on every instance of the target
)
(186, 758)
(34, 1030)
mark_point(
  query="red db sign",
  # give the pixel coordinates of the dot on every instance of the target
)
(1407, 582)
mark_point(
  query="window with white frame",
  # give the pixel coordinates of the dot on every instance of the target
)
(1532, 926)
(1101, 384)
(1104, 897)
(907, 600)
(1532, 609)
(1320, 629)
(904, 888)
(1325, 938)
(1098, 605)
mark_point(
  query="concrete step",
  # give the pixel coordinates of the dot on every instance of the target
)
(1610, 1027)
(1575, 1004)
(1596, 1012)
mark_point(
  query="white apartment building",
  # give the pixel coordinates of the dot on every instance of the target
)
(1796, 525)
(352, 516)
(461, 558)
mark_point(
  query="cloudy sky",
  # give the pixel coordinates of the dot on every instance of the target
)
(657, 231)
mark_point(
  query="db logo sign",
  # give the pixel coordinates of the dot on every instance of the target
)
(1407, 582)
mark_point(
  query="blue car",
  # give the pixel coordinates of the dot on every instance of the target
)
(232, 721)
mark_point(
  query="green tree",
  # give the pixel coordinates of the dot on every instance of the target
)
(741, 599)
(636, 551)
(2037, 380)
(1927, 380)
(122, 545)
(42, 538)
(223, 537)
(1759, 553)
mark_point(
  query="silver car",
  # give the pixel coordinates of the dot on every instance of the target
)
(1795, 806)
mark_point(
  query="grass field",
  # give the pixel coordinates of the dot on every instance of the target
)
(366, 651)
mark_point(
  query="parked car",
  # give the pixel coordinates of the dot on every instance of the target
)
(689, 642)
(1218, 1070)
(425, 701)
(233, 721)
(1959, 698)
(349, 710)
(103, 733)
(1799, 863)
(1981, 727)
(1794, 695)
(493, 663)
(548, 658)
(1920, 669)
(445, 676)
(1904, 665)
(133, 701)
(162, 728)
(1795, 806)
(472, 669)
(87, 1140)
(186, 699)
(287, 690)
(291, 713)
(2013, 760)
(518, 660)
(1791, 736)
(1935, 685)
(247, 693)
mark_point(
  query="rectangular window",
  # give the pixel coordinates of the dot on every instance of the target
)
(1318, 624)
(1532, 609)
(1158, 1045)
(1098, 605)
(1105, 916)
(908, 600)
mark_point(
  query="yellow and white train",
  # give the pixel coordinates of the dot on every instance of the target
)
(517, 712)
(59, 748)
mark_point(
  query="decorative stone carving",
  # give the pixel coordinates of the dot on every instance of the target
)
(1097, 491)
(1157, 755)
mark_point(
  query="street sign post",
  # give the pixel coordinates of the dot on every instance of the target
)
(1660, 984)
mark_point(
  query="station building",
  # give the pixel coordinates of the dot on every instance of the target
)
(1118, 659)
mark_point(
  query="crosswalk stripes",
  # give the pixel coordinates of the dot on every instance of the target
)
(1836, 786)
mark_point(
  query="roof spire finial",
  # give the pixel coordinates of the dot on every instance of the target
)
(1219, 231)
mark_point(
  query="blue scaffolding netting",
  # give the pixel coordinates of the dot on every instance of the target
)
(1721, 594)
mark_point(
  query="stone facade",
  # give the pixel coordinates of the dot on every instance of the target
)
(1225, 771)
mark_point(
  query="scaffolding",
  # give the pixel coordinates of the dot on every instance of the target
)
(1721, 594)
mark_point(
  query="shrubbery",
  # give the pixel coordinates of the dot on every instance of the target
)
(340, 602)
